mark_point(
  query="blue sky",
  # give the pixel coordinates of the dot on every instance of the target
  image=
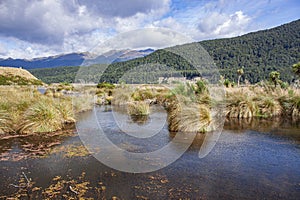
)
(31, 28)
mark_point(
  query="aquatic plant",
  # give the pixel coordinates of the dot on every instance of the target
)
(5, 122)
(24, 109)
(121, 96)
(138, 108)
(42, 117)
(189, 118)
(59, 188)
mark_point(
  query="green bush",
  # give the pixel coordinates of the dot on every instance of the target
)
(105, 85)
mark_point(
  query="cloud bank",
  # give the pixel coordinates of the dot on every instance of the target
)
(31, 28)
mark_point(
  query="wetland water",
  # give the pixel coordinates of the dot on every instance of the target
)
(257, 159)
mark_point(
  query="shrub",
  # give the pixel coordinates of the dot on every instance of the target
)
(201, 87)
(227, 83)
(106, 85)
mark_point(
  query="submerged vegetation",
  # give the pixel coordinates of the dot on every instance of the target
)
(60, 188)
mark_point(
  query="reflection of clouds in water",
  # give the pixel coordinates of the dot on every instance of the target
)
(155, 122)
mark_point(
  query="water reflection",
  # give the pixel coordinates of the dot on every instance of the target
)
(253, 159)
(36, 145)
(284, 127)
(140, 119)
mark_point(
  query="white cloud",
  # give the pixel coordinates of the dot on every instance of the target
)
(51, 27)
(3, 51)
(224, 25)
(141, 39)
(72, 25)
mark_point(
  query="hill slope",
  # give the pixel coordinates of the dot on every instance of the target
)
(17, 76)
(259, 52)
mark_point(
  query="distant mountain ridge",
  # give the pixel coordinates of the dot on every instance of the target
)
(258, 52)
(75, 59)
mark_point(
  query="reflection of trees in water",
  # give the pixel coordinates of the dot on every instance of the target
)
(261, 125)
(279, 126)
(257, 124)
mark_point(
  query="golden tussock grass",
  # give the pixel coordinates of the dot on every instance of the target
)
(138, 108)
(24, 110)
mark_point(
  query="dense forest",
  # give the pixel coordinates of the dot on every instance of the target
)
(259, 53)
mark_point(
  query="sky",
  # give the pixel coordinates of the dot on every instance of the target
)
(39, 28)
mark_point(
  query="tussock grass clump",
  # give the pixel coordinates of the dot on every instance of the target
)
(189, 108)
(143, 94)
(121, 96)
(189, 118)
(269, 107)
(290, 105)
(262, 101)
(42, 117)
(105, 85)
(65, 110)
(138, 108)
(24, 110)
(5, 122)
(239, 105)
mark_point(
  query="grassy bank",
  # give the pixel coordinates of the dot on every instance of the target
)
(262, 101)
(190, 107)
(193, 107)
(25, 110)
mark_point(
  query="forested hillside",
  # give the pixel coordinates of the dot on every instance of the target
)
(259, 53)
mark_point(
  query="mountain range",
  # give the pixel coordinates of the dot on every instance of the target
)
(76, 59)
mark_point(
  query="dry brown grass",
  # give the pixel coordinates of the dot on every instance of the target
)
(138, 108)
(10, 71)
(189, 118)
(25, 110)
(262, 101)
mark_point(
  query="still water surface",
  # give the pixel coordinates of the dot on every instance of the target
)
(256, 159)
